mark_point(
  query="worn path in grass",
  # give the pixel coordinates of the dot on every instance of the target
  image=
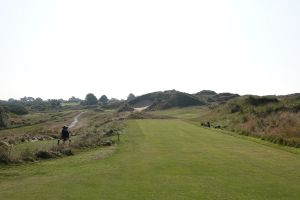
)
(76, 120)
(162, 159)
(45, 144)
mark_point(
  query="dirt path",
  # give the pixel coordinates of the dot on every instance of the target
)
(140, 109)
(76, 120)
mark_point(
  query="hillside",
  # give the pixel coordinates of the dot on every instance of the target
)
(172, 98)
(274, 118)
(210, 96)
(165, 100)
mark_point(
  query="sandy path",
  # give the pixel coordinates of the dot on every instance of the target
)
(75, 121)
(140, 108)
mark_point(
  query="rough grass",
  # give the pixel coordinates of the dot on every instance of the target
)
(162, 159)
(37, 123)
(265, 117)
(89, 132)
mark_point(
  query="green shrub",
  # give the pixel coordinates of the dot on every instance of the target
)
(88, 140)
(27, 155)
(5, 153)
(17, 109)
(45, 154)
(67, 152)
(256, 101)
(296, 108)
(91, 99)
(3, 118)
(125, 108)
(235, 108)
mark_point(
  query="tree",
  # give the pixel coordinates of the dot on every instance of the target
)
(38, 100)
(11, 100)
(130, 97)
(74, 100)
(17, 109)
(39, 104)
(54, 103)
(103, 100)
(91, 99)
(26, 99)
(30, 99)
(114, 100)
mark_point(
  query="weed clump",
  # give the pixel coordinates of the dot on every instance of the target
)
(67, 152)
(234, 108)
(27, 155)
(4, 153)
(125, 108)
(44, 155)
(54, 152)
(62, 150)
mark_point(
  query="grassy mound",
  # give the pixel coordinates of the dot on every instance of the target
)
(166, 99)
(209, 96)
(272, 118)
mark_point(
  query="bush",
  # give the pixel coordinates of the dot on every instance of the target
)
(27, 155)
(4, 152)
(3, 118)
(4, 156)
(207, 92)
(54, 103)
(296, 108)
(235, 108)
(45, 154)
(256, 101)
(17, 109)
(125, 108)
(107, 142)
(61, 150)
(67, 152)
(88, 140)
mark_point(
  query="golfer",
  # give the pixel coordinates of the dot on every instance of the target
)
(65, 135)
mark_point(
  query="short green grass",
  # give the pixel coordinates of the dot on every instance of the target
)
(161, 159)
(70, 104)
(183, 113)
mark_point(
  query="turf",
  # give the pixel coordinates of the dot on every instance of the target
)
(161, 159)
(182, 113)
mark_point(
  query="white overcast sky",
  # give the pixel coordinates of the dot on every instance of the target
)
(59, 49)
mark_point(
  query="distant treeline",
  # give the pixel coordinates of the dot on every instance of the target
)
(21, 107)
(26, 105)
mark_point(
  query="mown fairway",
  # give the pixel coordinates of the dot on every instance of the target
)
(162, 159)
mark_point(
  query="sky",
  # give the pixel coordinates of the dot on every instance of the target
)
(58, 49)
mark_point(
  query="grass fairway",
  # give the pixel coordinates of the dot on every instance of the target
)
(161, 159)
